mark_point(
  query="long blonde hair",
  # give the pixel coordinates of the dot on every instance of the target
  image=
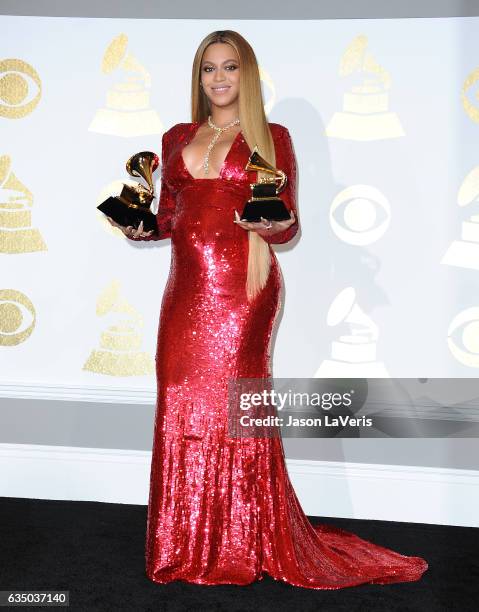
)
(254, 127)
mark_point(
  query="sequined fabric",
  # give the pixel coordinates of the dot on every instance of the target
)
(221, 509)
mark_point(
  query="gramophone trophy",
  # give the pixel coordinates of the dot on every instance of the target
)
(133, 204)
(264, 201)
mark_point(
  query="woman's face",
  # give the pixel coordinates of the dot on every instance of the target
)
(220, 74)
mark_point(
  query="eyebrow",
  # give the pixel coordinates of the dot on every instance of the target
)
(225, 62)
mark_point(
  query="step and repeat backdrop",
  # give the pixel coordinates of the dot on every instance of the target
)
(383, 278)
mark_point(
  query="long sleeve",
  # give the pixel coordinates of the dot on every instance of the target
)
(166, 205)
(286, 161)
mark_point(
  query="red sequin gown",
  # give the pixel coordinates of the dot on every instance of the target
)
(223, 510)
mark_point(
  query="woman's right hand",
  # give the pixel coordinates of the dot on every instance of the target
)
(130, 231)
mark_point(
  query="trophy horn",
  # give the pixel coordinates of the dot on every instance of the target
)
(133, 205)
(143, 164)
(256, 162)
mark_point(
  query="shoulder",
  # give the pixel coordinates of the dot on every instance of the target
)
(278, 130)
(176, 130)
(282, 138)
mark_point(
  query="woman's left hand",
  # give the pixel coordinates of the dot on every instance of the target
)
(265, 227)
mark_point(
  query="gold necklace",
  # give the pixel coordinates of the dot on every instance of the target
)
(219, 131)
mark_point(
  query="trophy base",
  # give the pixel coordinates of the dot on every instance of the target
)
(124, 215)
(271, 209)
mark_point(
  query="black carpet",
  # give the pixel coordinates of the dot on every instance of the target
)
(96, 551)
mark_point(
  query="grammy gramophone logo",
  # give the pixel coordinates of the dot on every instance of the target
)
(17, 235)
(464, 253)
(365, 114)
(127, 109)
(20, 88)
(268, 84)
(120, 351)
(353, 353)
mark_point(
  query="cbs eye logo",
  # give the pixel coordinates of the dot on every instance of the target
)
(470, 83)
(468, 354)
(15, 309)
(359, 215)
(20, 88)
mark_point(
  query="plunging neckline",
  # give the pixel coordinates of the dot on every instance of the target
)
(223, 165)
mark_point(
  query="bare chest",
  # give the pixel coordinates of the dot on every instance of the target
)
(205, 151)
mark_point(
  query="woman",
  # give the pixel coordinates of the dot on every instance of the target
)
(222, 509)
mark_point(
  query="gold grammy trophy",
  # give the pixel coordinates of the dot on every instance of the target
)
(133, 204)
(264, 201)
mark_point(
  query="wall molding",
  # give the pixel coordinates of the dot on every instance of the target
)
(441, 496)
(78, 393)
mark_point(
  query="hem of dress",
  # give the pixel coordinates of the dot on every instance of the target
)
(379, 580)
(202, 581)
